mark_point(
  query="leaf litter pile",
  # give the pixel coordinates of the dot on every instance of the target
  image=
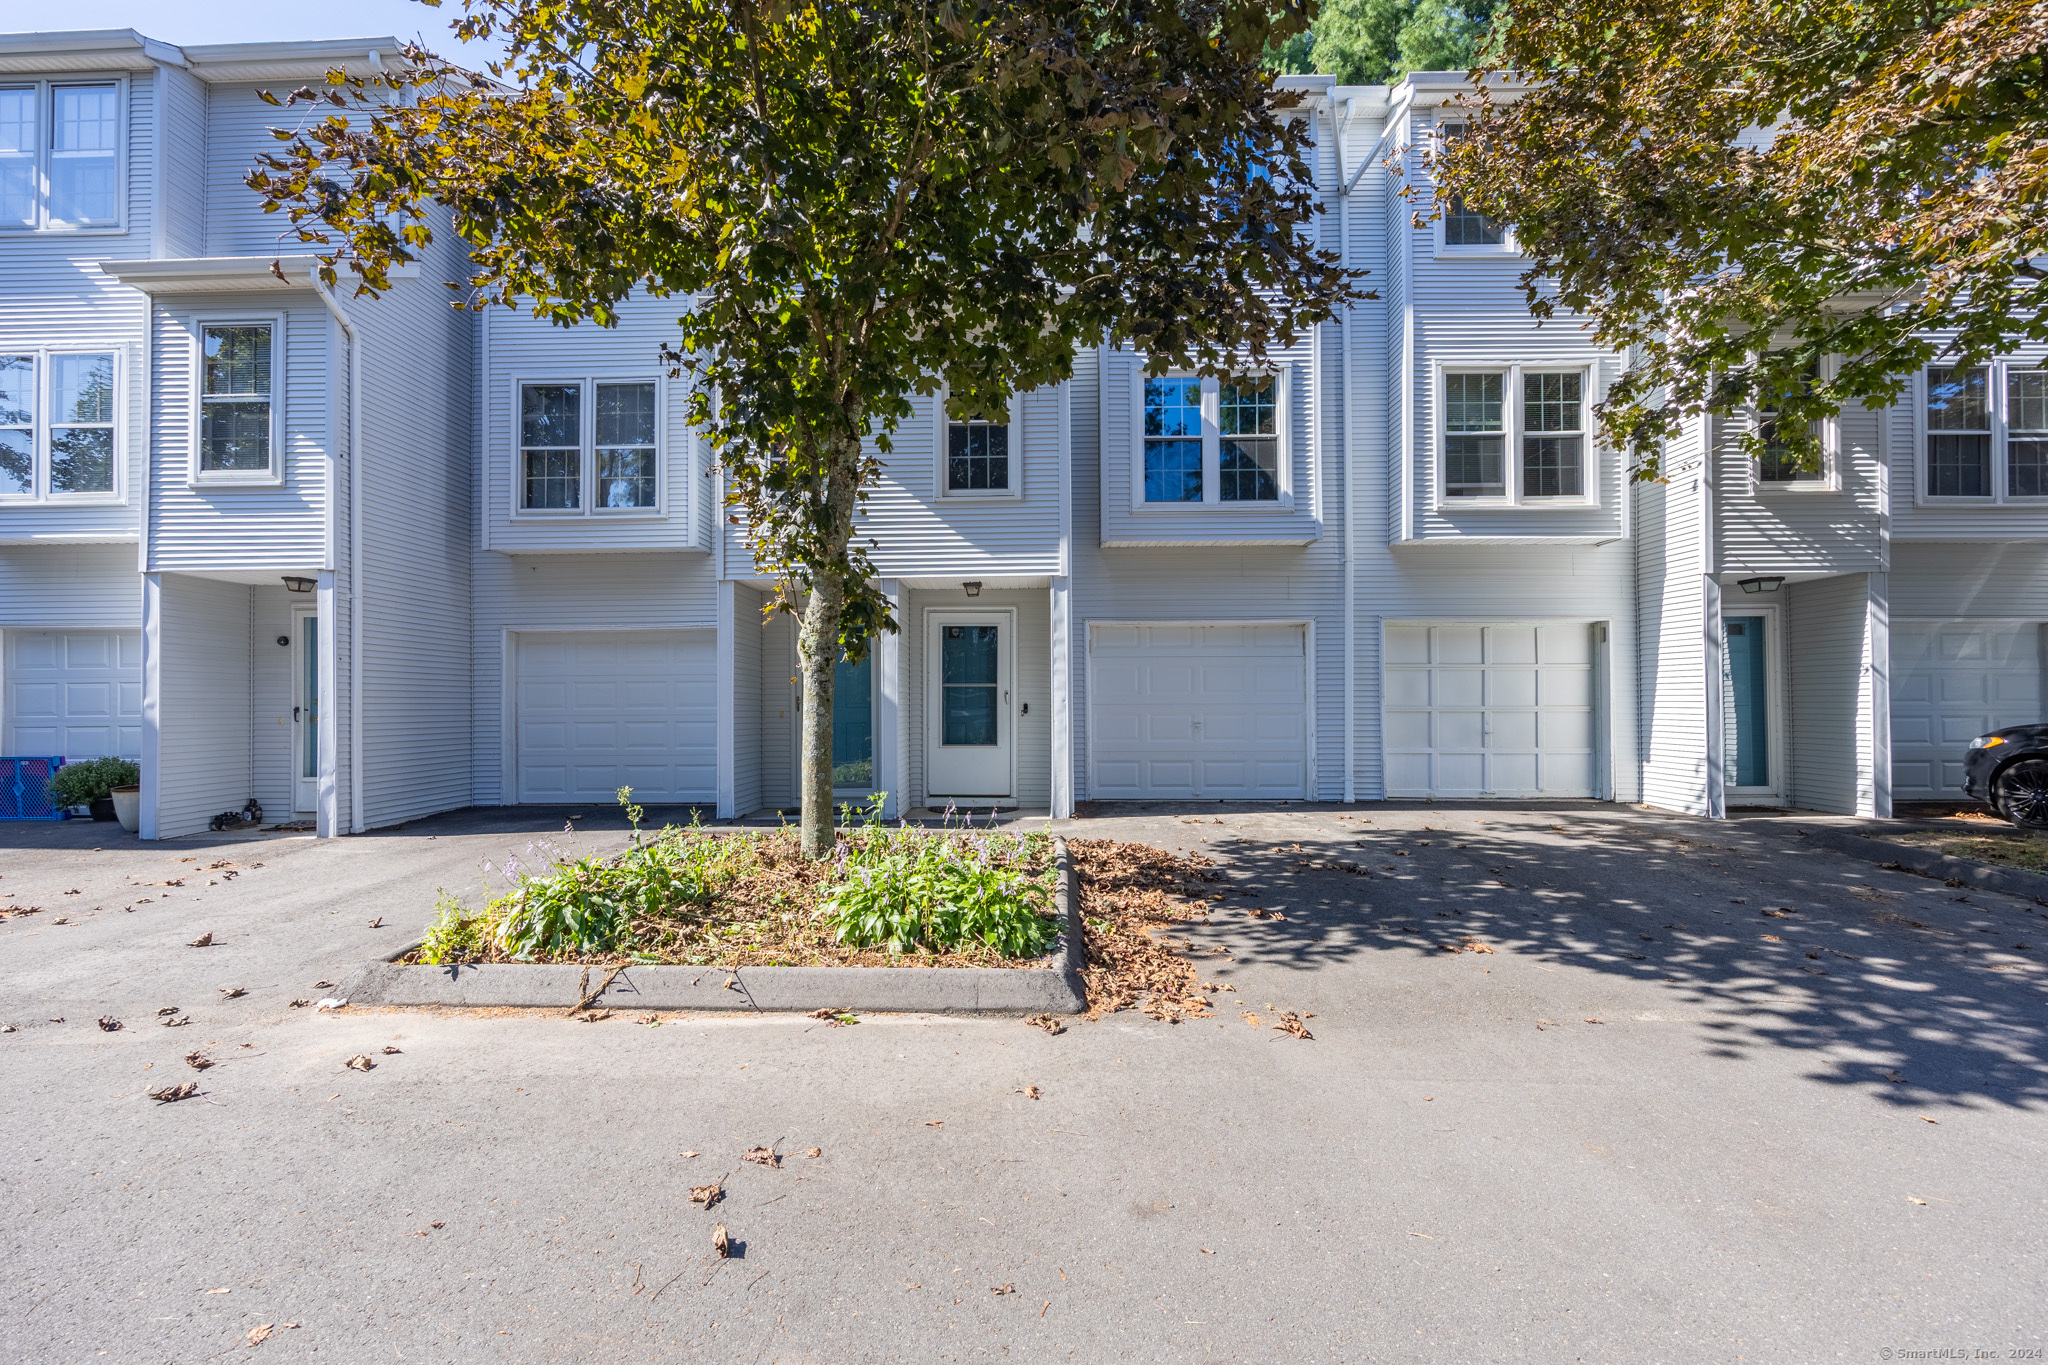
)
(1131, 897)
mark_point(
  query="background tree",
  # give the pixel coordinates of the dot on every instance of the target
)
(1742, 188)
(1366, 42)
(854, 203)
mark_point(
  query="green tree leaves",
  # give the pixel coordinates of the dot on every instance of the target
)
(1366, 42)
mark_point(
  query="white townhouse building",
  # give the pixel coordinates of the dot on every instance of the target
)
(369, 560)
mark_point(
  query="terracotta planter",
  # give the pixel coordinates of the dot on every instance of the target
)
(127, 806)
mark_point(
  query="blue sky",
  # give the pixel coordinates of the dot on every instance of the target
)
(247, 21)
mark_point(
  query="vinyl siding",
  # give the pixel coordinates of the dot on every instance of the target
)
(781, 710)
(203, 746)
(919, 532)
(1971, 520)
(1672, 653)
(518, 347)
(238, 128)
(181, 229)
(1781, 531)
(261, 528)
(747, 636)
(413, 586)
(1827, 730)
(69, 585)
(1945, 579)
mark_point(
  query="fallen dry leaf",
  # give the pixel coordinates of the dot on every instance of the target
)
(935, 1123)
(232, 992)
(205, 940)
(1291, 1025)
(109, 1024)
(1778, 912)
(187, 1089)
(1030, 1092)
(1895, 1077)
(1596, 1021)
(222, 1290)
(1002, 1289)
(260, 1333)
(323, 985)
(761, 1156)
(166, 1011)
(1910, 1199)
(359, 1063)
(298, 1004)
(719, 1242)
(1046, 1022)
(686, 1154)
(390, 1051)
(1250, 1018)
(1925, 1119)
(197, 1062)
(707, 1195)
(377, 923)
(1772, 938)
(814, 1151)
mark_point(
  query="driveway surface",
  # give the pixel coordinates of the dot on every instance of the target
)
(1653, 1123)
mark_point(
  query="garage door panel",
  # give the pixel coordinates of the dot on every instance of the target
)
(602, 710)
(1215, 711)
(1952, 681)
(1509, 710)
(76, 694)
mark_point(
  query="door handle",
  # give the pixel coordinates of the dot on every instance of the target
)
(295, 713)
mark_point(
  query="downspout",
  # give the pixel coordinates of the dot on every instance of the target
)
(355, 548)
(1340, 120)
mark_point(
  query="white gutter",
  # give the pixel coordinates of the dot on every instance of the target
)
(355, 547)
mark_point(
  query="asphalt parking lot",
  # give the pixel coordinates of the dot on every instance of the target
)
(1586, 1083)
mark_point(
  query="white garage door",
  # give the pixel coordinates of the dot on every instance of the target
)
(1489, 710)
(1952, 681)
(77, 693)
(1219, 712)
(610, 709)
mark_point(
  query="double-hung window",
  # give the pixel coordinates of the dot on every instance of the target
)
(1214, 442)
(1985, 432)
(1515, 435)
(237, 403)
(1465, 229)
(57, 425)
(1779, 466)
(979, 452)
(60, 150)
(587, 447)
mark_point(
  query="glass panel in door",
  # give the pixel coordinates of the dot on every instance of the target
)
(1746, 744)
(853, 724)
(306, 711)
(969, 678)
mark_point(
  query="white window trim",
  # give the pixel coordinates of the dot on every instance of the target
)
(586, 435)
(272, 477)
(1591, 472)
(2000, 480)
(45, 121)
(1014, 493)
(1212, 503)
(39, 433)
(1830, 480)
(1505, 249)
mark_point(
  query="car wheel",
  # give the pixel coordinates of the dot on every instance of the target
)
(2021, 793)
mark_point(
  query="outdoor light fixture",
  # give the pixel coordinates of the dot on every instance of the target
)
(284, 641)
(972, 589)
(292, 584)
(1770, 583)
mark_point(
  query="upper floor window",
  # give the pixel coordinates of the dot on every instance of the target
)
(608, 464)
(1465, 227)
(1215, 442)
(1540, 415)
(978, 452)
(60, 155)
(1780, 466)
(56, 425)
(1986, 432)
(236, 415)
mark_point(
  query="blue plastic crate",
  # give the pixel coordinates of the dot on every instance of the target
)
(24, 784)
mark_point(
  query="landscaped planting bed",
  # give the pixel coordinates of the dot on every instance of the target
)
(890, 896)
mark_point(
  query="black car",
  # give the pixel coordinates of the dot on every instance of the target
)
(2009, 769)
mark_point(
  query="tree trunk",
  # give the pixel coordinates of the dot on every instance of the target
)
(817, 645)
(817, 650)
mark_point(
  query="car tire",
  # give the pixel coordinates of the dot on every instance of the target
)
(2021, 793)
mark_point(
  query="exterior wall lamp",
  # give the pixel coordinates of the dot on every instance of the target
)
(1768, 583)
(294, 584)
(972, 589)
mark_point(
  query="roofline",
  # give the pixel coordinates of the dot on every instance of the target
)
(124, 48)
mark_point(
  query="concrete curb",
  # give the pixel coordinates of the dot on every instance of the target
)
(1052, 985)
(1874, 847)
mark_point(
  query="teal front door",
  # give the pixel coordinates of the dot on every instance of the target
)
(1746, 712)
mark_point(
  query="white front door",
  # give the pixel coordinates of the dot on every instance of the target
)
(1489, 710)
(305, 710)
(1953, 681)
(969, 734)
(73, 694)
(1179, 712)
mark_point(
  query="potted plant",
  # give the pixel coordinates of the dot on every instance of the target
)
(91, 783)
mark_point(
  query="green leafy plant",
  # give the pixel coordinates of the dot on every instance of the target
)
(938, 894)
(81, 784)
(457, 936)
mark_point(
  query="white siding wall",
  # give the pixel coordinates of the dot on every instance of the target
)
(1940, 579)
(1780, 530)
(264, 528)
(413, 586)
(518, 347)
(746, 731)
(181, 230)
(238, 128)
(202, 762)
(272, 693)
(781, 703)
(69, 585)
(1678, 734)
(1827, 730)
